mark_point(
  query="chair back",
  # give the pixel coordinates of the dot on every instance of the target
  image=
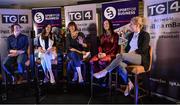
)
(151, 56)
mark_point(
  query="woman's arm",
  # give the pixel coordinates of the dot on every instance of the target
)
(75, 50)
(82, 40)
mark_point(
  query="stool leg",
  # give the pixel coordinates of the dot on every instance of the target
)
(136, 89)
(84, 74)
(116, 80)
(92, 80)
(110, 76)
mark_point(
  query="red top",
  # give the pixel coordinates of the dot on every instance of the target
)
(109, 44)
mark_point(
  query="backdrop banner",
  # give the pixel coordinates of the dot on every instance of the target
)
(163, 24)
(7, 18)
(85, 18)
(120, 13)
(83, 15)
(44, 16)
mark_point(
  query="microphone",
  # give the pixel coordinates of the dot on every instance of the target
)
(122, 40)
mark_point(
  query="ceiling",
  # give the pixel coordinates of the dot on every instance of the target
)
(37, 3)
(44, 3)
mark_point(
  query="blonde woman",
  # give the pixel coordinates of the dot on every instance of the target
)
(136, 52)
(107, 49)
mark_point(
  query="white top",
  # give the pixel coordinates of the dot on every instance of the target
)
(52, 55)
(134, 42)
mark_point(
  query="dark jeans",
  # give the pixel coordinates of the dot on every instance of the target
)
(10, 61)
(121, 61)
(75, 58)
(122, 73)
(74, 61)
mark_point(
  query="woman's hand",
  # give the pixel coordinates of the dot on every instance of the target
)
(83, 52)
(101, 55)
(72, 49)
(80, 40)
(118, 54)
(41, 50)
(49, 50)
(132, 52)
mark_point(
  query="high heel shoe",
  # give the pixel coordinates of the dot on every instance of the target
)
(129, 87)
(52, 80)
(13, 80)
(100, 74)
(46, 80)
(81, 81)
(75, 77)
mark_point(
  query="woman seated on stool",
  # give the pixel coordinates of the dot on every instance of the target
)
(47, 52)
(137, 52)
(108, 48)
(75, 44)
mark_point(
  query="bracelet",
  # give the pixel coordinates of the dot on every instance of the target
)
(17, 52)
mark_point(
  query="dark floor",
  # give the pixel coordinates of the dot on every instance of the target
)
(73, 94)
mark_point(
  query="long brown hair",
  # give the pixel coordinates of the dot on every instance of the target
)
(111, 31)
(110, 27)
(44, 32)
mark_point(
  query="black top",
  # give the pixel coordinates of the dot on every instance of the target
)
(73, 43)
(18, 43)
(46, 40)
(143, 47)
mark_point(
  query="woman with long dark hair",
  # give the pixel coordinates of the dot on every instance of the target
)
(108, 47)
(46, 48)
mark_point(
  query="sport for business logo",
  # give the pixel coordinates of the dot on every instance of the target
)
(39, 17)
(110, 13)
